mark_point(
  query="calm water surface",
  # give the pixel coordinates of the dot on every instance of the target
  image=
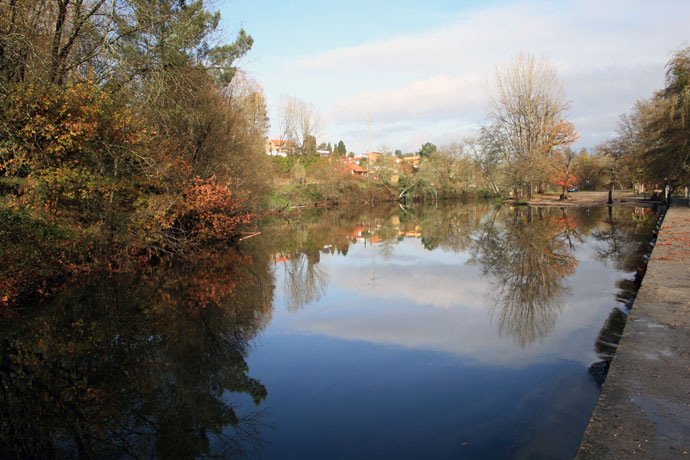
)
(455, 331)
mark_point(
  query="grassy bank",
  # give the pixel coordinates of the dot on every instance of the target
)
(288, 196)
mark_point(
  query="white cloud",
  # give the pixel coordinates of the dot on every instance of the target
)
(608, 54)
(435, 98)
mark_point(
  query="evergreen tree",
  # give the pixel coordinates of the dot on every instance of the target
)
(426, 150)
(309, 147)
(341, 148)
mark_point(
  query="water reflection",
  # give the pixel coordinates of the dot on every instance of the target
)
(526, 254)
(305, 280)
(529, 257)
(138, 366)
(156, 364)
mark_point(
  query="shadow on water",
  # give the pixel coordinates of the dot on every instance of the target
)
(624, 242)
(138, 366)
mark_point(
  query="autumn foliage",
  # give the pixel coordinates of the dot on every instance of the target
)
(115, 154)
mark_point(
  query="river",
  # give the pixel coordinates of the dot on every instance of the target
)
(461, 330)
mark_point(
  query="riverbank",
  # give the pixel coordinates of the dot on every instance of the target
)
(355, 191)
(620, 198)
(644, 407)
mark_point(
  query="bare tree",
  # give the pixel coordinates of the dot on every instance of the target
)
(287, 118)
(309, 120)
(298, 120)
(527, 105)
(385, 148)
(47, 40)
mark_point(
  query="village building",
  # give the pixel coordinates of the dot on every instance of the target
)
(279, 148)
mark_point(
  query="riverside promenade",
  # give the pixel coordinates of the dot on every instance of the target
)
(644, 408)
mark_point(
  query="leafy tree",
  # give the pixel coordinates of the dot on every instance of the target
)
(652, 142)
(398, 153)
(309, 147)
(588, 171)
(341, 148)
(426, 150)
(666, 126)
(128, 125)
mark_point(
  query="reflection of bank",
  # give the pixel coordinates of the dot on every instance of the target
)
(623, 241)
(138, 365)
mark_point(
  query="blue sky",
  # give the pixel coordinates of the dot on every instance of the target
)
(423, 69)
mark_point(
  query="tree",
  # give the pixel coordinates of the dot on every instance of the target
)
(614, 149)
(384, 148)
(287, 119)
(666, 125)
(564, 177)
(45, 41)
(588, 171)
(426, 150)
(298, 120)
(341, 150)
(527, 104)
(309, 147)
(398, 153)
(490, 152)
(652, 142)
(136, 130)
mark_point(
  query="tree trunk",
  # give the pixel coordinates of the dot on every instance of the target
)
(610, 194)
(57, 37)
(564, 194)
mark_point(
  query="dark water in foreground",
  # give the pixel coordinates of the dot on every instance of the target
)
(458, 331)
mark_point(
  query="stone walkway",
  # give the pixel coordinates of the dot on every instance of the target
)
(644, 408)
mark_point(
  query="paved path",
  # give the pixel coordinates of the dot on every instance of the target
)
(644, 408)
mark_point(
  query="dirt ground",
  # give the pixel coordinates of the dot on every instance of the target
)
(591, 199)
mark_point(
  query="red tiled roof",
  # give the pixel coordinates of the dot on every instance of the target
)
(353, 167)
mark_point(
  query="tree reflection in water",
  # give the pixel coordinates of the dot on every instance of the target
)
(305, 281)
(138, 366)
(529, 257)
